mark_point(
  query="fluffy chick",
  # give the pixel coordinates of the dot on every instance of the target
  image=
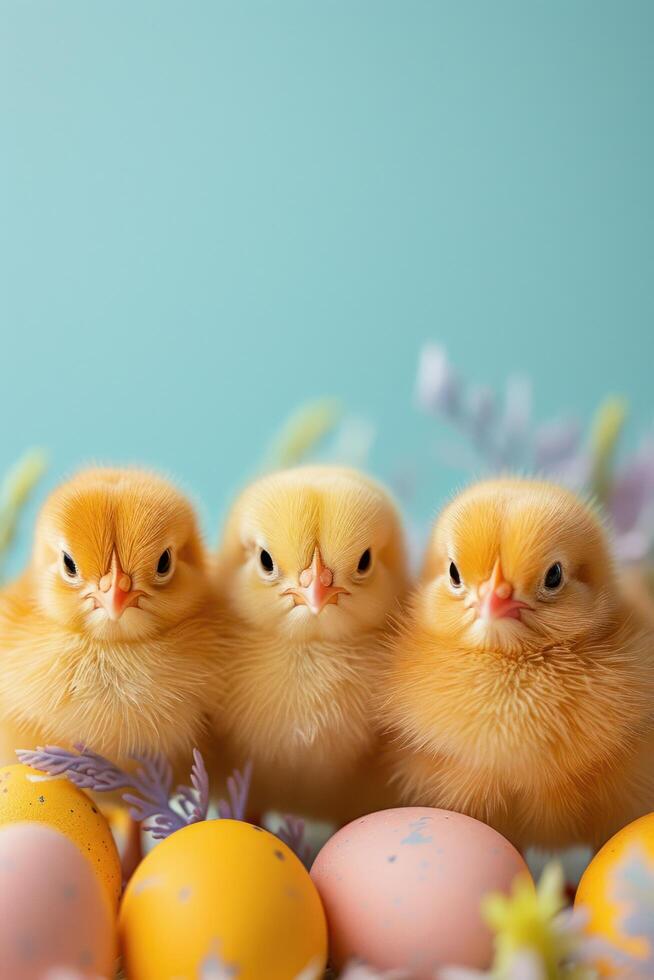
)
(313, 562)
(110, 635)
(521, 690)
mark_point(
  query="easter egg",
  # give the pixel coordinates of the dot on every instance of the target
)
(227, 897)
(402, 889)
(61, 805)
(617, 890)
(54, 913)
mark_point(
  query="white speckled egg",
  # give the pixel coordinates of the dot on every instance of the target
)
(402, 889)
(55, 916)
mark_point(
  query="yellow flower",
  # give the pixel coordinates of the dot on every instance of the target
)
(526, 920)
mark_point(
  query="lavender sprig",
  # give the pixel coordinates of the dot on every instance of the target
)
(152, 807)
(83, 767)
(150, 797)
(194, 799)
(149, 794)
(292, 832)
(238, 788)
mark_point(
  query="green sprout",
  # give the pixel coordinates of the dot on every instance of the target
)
(303, 432)
(16, 490)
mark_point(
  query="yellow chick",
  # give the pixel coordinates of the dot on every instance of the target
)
(110, 636)
(522, 684)
(313, 564)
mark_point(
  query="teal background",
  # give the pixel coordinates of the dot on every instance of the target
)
(211, 212)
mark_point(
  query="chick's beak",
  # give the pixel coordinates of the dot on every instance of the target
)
(496, 597)
(115, 593)
(316, 586)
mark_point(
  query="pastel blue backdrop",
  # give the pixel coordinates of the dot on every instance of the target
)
(211, 212)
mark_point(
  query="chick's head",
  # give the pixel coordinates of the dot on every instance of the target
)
(517, 562)
(118, 554)
(314, 552)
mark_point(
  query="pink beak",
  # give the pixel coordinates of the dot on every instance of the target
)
(496, 597)
(115, 593)
(316, 586)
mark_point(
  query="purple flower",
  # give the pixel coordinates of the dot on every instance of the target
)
(633, 489)
(508, 441)
(513, 431)
(482, 408)
(555, 443)
(437, 388)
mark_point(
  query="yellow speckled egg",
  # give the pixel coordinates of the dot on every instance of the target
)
(222, 898)
(617, 889)
(61, 805)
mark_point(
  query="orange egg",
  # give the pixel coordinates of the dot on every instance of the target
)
(222, 898)
(613, 890)
(61, 805)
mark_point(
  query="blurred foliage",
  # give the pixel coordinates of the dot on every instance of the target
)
(16, 490)
(303, 433)
(607, 428)
(499, 433)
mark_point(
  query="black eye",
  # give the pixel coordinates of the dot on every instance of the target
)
(554, 576)
(267, 563)
(455, 578)
(69, 565)
(365, 561)
(165, 562)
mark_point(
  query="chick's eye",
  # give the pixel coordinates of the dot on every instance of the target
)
(365, 562)
(70, 567)
(165, 562)
(267, 562)
(554, 576)
(455, 577)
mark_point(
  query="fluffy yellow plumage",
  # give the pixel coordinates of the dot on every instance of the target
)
(522, 685)
(110, 636)
(313, 564)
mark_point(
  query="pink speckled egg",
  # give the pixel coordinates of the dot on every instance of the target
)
(55, 917)
(402, 889)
